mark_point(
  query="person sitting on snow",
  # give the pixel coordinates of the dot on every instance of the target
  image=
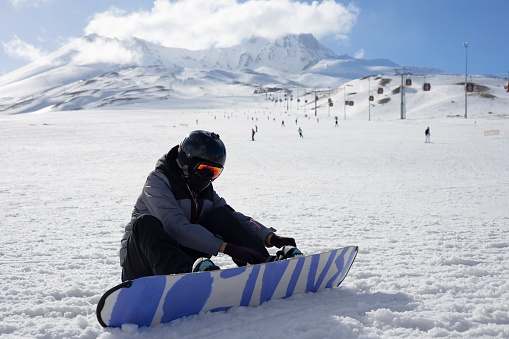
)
(179, 221)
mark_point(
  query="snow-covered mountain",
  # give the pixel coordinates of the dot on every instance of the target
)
(95, 71)
(293, 54)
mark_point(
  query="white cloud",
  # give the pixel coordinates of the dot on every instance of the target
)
(201, 24)
(359, 54)
(16, 48)
(101, 51)
(34, 3)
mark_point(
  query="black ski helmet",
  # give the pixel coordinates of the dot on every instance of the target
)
(200, 147)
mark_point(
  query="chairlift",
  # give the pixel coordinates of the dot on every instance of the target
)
(306, 101)
(426, 86)
(469, 87)
(298, 100)
(380, 90)
(371, 98)
(330, 100)
(331, 104)
(347, 103)
(351, 103)
(408, 82)
(316, 98)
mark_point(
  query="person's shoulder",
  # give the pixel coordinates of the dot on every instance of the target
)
(157, 176)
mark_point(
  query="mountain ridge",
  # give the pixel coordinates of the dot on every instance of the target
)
(293, 60)
(292, 54)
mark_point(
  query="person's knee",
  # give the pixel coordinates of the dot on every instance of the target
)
(146, 223)
(147, 219)
(224, 210)
(221, 215)
(220, 220)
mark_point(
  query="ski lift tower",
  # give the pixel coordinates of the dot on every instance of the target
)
(316, 92)
(370, 98)
(344, 97)
(329, 103)
(403, 72)
(316, 101)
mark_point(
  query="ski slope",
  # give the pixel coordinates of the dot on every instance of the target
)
(431, 220)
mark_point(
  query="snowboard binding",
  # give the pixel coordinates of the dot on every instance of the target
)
(286, 252)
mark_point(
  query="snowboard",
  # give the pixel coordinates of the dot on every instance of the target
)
(149, 301)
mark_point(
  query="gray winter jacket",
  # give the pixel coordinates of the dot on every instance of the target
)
(166, 196)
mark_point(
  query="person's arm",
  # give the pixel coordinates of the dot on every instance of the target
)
(267, 240)
(162, 204)
(242, 254)
(222, 247)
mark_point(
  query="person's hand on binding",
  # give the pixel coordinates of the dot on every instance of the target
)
(277, 241)
(243, 254)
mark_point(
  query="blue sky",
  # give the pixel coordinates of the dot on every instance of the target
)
(409, 32)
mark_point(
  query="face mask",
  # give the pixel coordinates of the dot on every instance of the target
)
(196, 182)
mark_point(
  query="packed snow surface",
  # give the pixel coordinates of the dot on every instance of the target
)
(430, 220)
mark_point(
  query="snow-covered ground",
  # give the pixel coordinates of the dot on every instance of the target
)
(431, 220)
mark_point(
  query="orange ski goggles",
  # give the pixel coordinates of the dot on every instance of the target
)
(208, 171)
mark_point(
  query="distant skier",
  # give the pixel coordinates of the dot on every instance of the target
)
(296, 119)
(252, 134)
(283, 123)
(300, 132)
(427, 133)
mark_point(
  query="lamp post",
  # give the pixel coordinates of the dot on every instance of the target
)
(466, 55)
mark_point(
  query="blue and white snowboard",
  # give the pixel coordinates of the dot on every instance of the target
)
(153, 300)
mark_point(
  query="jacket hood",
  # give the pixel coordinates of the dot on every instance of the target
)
(168, 164)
